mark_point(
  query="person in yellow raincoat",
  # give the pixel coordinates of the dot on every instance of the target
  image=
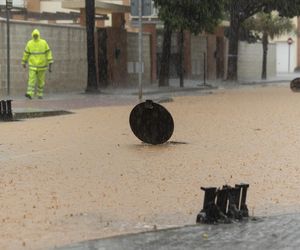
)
(38, 55)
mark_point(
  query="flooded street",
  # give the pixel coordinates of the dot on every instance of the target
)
(85, 176)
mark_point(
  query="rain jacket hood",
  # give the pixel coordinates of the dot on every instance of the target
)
(36, 32)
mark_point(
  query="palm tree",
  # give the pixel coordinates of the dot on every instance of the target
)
(268, 25)
(92, 83)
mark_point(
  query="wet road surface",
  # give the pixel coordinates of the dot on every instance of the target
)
(280, 232)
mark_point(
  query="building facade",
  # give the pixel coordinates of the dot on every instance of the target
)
(205, 55)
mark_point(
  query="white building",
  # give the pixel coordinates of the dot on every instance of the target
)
(286, 51)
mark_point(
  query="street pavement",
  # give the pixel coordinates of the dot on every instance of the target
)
(272, 233)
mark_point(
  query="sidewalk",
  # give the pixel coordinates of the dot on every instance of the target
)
(125, 96)
(106, 97)
(281, 77)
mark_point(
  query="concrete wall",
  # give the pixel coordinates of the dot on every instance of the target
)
(198, 48)
(250, 61)
(133, 58)
(52, 6)
(211, 57)
(68, 45)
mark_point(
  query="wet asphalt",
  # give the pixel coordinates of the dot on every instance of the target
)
(276, 233)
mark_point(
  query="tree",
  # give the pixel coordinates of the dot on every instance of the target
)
(286, 8)
(268, 25)
(92, 83)
(193, 15)
(240, 10)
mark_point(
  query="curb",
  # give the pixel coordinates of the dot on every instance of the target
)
(19, 115)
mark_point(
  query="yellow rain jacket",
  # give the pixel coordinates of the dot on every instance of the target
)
(37, 53)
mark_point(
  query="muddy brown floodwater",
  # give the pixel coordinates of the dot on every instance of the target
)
(84, 176)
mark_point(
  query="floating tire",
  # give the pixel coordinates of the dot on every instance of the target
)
(151, 123)
(295, 85)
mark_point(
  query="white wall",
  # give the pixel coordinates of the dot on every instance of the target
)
(250, 61)
(52, 6)
(113, 1)
(286, 57)
(16, 3)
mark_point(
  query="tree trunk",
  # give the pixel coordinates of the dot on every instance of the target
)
(102, 57)
(265, 43)
(234, 31)
(92, 84)
(181, 58)
(166, 54)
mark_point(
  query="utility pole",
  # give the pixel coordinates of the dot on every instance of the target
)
(290, 42)
(140, 36)
(9, 5)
